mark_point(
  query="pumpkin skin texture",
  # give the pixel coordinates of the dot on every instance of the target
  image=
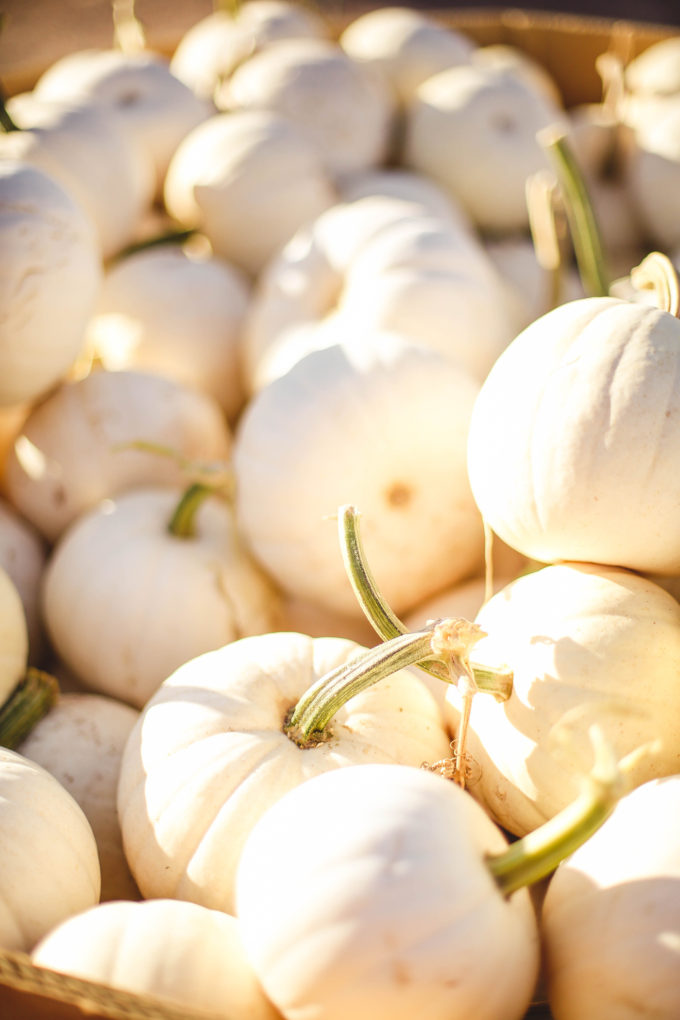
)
(209, 755)
(49, 279)
(179, 952)
(13, 636)
(49, 867)
(154, 599)
(610, 921)
(378, 903)
(377, 420)
(80, 742)
(77, 446)
(574, 441)
(586, 644)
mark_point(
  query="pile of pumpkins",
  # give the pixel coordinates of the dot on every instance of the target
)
(283, 271)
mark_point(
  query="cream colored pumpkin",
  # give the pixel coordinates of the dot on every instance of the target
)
(575, 437)
(340, 105)
(212, 48)
(364, 893)
(49, 869)
(78, 445)
(244, 167)
(178, 952)
(145, 599)
(378, 420)
(88, 151)
(180, 314)
(610, 921)
(13, 636)
(50, 276)
(23, 555)
(406, 45)
(156, 109)
(473, 129)
(80, 742)
(209, 754)
(586, 644)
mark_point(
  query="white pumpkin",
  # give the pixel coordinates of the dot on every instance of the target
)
(180, 314)
(379, 421)
(244, 167)
(49, 868)
(212, 48)
(406, 45)
(653, 174)
(50, 276)
(78, 445)
(210, 753)
(610, 922)
(365, 892)
(178, 952)
(13, 636)
(80, 742)
(156, 109)
(585, 644)
(342, 106)
(88, 151)
(473, 129)
(574, 439)
(23, 555)
(146, 598)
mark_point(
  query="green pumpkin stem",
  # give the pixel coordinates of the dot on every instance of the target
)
(182, 524)
(656, 272)
(585, 233)
(30, 700)
(537, 854)
(489, 679)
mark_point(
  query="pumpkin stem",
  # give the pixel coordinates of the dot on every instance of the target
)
(128, 31)
(585, 233)
(489, 679)
(656, 272)
(547, 231)
(156, 241)
(182, 523)
(448, 640)
(30, 700)
(538, 853)
(6, 122)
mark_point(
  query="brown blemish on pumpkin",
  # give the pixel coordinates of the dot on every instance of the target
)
(399, 494)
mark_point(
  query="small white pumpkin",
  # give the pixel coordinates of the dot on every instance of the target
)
(244, 167)
(210, 753)
(365, 892)
(50, 276)
(340, 105)
(610, 923)
(216, 44)
(406, 45)
(380, 420)
(178, 952)
(575, 440)
(23, 554)
(147, 597)
(180, 314)
(87, 150)
(585, 644)
(156, 109)
(78, 445)
(13, 636)
(49, 868)
(473, 129)
(80, 742)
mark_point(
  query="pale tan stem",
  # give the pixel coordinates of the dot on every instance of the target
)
(656, 272)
